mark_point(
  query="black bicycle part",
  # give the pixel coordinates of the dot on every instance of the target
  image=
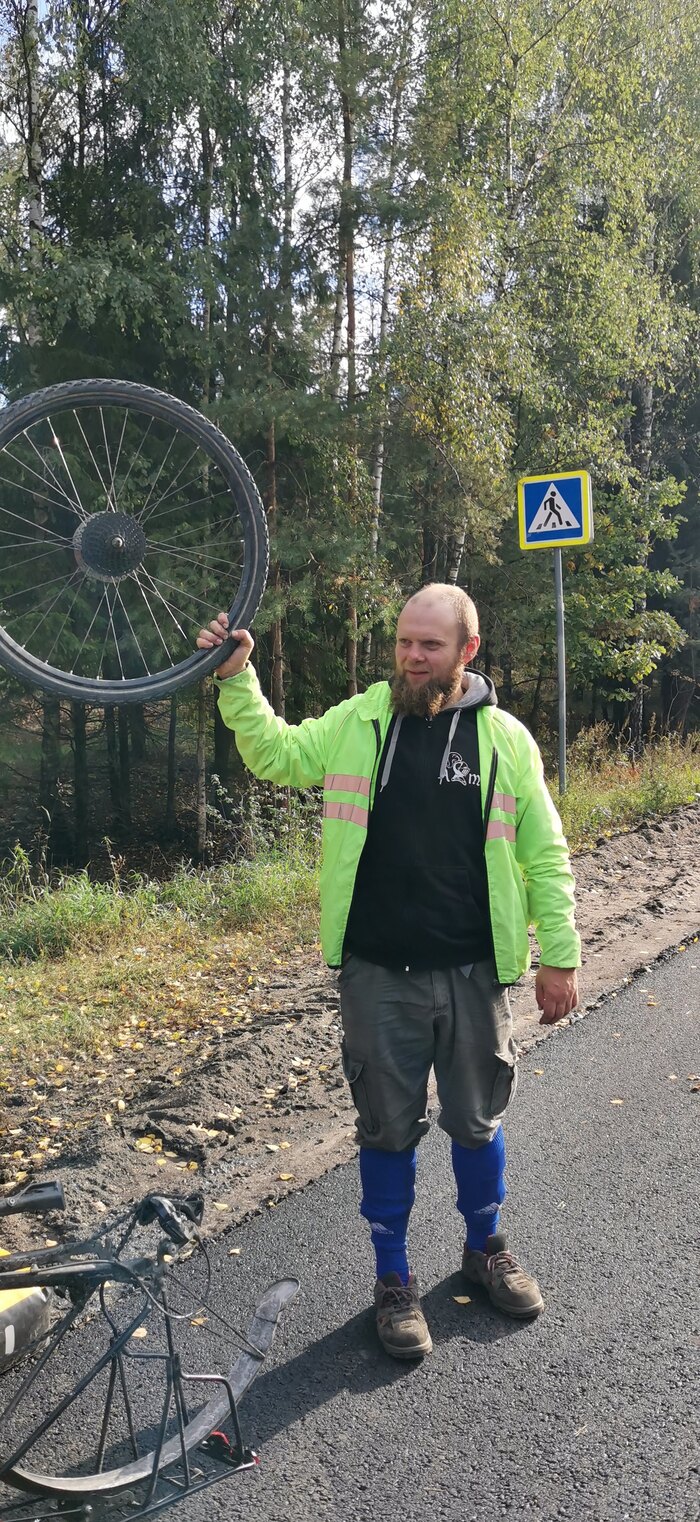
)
(154, 1480)
(127, 520)
(36, 1199)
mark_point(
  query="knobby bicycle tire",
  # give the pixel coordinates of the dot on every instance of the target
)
(42, 405)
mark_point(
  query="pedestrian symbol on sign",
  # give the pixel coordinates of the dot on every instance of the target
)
(552, 513)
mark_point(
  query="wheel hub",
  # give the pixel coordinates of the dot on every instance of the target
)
(108, 546)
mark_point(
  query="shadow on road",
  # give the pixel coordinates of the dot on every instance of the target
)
(350, 1359)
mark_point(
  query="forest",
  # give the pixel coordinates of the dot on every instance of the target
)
(401, 254)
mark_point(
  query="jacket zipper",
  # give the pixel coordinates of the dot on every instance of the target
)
(378, 743)
(490, 790)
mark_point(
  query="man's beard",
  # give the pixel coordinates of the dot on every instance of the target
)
(425, 700)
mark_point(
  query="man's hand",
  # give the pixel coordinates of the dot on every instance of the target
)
(556, 991)
(218, 631)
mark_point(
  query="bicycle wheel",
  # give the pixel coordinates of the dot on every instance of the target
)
(126, 521)
(110, 1414)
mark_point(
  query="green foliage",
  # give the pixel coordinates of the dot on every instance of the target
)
(47, 918)
(507, 198)
(608, 792)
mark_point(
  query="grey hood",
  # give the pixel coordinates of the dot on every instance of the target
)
(480, 693)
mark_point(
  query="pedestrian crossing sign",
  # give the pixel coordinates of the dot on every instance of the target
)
(555, 510)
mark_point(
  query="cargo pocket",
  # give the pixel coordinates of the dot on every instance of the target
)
(505, 1082)
(354, 1072)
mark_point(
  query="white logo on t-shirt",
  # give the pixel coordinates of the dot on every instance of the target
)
(458, 771)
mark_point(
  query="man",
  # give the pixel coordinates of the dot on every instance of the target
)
(441, 846)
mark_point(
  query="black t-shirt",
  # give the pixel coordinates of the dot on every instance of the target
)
(421, 892)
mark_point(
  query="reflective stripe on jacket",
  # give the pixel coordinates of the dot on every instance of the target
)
(527, 860)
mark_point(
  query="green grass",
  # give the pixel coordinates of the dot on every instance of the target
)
(49, 919)
(277, 885)
(608, 793)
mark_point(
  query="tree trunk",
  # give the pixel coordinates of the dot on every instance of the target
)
(399, 79)
(49, 777)
(201, 848)
(223, 741)
(351, 647)
(534, 716)
(112, 760)
(138, 731)
(170, 816)
(347, 255)
(507, 682)
(124, 814)
(455, 551)
(35, 202)
(80, 784)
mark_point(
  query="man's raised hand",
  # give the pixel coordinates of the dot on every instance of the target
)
(218, 631)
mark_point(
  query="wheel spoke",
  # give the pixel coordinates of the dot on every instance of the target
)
(119, 450)
(64, 499)
(136, 642)
(111, 495)
(88, 632)
(110, 611)
(138, 452)
(15, 564)
(57, 442)
(165, 603)
(37, 495)
(17, 617)
(181, 592)
(161, 468)
(36, 588)
(218, 566)
(17, 544)
(219, 526)
(65, 621)
(173, 486)
(208, 497)
(93, 457)
(159, 631)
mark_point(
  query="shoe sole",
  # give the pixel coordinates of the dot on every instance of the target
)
(405, 1354)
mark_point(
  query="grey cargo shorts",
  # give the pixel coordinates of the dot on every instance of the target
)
(399, 1025)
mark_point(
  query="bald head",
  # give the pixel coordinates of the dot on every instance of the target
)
(436, 637)
(442, 597)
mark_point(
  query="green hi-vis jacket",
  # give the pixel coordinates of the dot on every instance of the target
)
(529, 875)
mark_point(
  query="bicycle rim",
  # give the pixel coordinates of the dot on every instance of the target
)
(127, 520)
(128, 1439)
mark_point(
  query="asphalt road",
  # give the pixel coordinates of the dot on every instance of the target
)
(589, 1413)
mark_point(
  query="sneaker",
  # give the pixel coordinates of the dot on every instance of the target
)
(509, 1288)
(401, 1325)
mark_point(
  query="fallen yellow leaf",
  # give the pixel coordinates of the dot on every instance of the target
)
(462, 1299)
(285, 1177)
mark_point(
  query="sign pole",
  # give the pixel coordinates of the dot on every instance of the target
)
(561, 668)
(553, 511)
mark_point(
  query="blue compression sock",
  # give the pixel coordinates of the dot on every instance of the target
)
(481, 1188)
(388, 1192)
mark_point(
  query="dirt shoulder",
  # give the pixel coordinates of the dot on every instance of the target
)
(248, 1101)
